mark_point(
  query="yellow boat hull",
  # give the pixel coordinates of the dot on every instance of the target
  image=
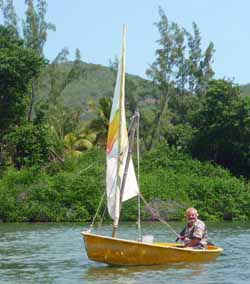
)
(116, 251)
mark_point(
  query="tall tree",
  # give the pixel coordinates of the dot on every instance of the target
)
(199, 63)
(222, 128)
(35, 26)
(35, 31)
(164, 71)
(56, 76)
(180, 69)
(9, 14)
(18, 65)
(59, 75)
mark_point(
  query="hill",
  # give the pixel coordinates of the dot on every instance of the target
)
(90, 83)
(245, 89)
(78, 85)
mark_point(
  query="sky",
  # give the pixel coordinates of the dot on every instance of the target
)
(95, 27)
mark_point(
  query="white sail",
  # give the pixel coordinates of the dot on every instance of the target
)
(117, 147)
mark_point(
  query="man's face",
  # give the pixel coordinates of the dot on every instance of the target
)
(191, 216)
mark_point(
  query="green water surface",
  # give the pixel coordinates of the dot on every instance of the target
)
(55, 253)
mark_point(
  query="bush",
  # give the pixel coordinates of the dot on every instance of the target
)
(34, 195)
(172, 176)
(30, 145)
(170, 181)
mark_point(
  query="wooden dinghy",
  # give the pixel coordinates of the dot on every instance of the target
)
(115, 251)
(122, 185)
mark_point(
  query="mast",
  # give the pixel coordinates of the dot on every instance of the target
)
(119, 188)
(120, 133)
(134, 123)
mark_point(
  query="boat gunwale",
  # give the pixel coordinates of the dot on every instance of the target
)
(216, 250)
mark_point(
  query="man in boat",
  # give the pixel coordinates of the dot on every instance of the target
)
(195, 233)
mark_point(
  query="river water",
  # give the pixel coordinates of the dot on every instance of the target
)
(55, 253)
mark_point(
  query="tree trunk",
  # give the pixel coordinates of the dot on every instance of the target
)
(32, 100)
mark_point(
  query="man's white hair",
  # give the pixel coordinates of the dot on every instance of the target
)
(192, 209)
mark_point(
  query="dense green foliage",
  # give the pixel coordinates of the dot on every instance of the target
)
(222, 128)
(30, 144)
(18, 65)
(54, 121)
(170, 181)
(173, 176)
(69, 194)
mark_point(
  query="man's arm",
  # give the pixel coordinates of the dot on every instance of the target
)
(192, 243)
(181, 236)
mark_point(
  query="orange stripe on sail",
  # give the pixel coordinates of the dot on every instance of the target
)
(113, 131)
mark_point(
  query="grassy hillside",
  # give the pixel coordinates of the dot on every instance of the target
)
(92, 83)
(245, 89)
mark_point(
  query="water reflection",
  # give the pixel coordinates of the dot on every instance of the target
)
(105, 274)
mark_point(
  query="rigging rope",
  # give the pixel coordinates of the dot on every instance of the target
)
(138, 179)
(140, 196)
(157, 215)
(98, 208)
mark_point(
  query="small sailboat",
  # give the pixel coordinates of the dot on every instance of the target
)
(121, 185)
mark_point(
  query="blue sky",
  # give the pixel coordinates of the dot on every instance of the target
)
(95, 27)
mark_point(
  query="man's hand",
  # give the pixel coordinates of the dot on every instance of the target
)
(180, 237)
(192, 243)
(183, 238)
